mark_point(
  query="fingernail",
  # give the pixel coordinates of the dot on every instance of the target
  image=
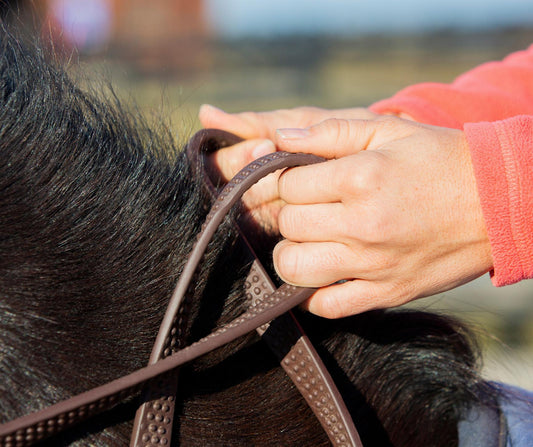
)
(262, 149)
(292, 134)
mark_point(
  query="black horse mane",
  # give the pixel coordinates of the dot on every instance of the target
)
(97, 215)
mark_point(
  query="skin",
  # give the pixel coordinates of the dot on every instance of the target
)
(394, 213)
(259, 131)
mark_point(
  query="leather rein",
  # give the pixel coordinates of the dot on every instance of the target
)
(268, 313)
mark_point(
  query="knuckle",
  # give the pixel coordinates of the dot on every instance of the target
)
(329, 259)
(368, 300)
(399, 292)
(387, 119)
(287, 261)
(396, 127)
(330, 307)
(365, 174)
(288, 221)
(284, 184)
(338, 128)
(381, 264)
(390, 123)
(288, 183)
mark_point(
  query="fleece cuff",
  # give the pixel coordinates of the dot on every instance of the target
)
(502, 155)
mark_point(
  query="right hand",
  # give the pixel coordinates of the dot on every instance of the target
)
(259, 130)
(394, 213)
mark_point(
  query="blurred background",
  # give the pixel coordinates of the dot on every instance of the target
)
(171, 56)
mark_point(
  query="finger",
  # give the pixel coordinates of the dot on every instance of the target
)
(265, 215)
(313, 223)
(248, 125)
(263, 192)
(242, 124)
(312, 264)
(336, 138)
(264, 124)
(318, 183)
(357, 113)
(348, 298)
(230, 160)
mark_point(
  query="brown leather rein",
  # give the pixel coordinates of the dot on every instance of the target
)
(268, 313)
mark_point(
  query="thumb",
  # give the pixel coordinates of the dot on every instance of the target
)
(213, 117)
(247, 125)
(336, 138)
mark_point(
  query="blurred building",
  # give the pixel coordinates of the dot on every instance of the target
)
(162, 34)
(155, 36)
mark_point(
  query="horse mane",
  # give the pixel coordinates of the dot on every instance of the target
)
(97, 214)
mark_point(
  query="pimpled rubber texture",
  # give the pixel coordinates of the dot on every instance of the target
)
(285, 338)
(154, 421)
(52, 420)
(230, 194)
(34, 427)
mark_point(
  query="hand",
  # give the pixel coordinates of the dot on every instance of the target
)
(394, 213)
(259, 129)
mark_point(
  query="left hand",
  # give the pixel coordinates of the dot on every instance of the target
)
(259, 129)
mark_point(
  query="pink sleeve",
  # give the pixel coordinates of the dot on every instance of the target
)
(502, 154)
(493, 103)
(493, 91)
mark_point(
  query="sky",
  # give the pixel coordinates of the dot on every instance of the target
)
(269, 18)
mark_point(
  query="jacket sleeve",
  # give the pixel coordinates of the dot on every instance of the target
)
(493, 91)
(502, 155)
(493, 104)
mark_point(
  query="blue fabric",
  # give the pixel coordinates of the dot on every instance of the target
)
(510, 425)
(517, 407)
(481, 427)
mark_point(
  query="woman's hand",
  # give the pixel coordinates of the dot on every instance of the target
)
(259, 130)
(394, 214)
(263, 125)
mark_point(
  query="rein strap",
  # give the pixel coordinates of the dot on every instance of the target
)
(154, 419)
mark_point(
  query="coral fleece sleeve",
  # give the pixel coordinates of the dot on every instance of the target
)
(502, 155)
(493, 104)
(490, 92)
